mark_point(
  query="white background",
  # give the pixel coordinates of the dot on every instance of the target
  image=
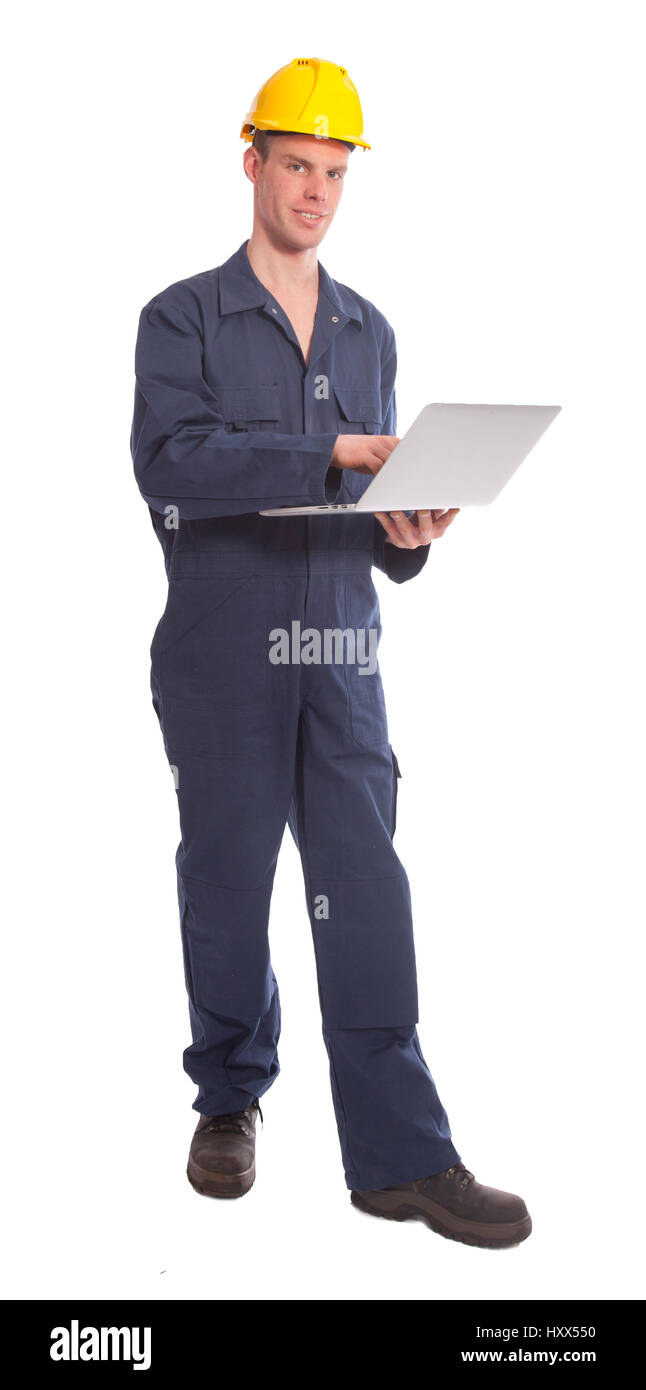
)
(497, 223)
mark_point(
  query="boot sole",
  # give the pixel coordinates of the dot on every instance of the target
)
(210, 1184)
(494, 1237)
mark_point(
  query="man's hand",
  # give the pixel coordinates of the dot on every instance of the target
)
(367, 453)
(363, 453)
(429, 527)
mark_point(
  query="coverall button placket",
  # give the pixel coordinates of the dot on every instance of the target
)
(209, 344)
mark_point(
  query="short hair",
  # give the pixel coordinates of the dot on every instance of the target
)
(261, 141)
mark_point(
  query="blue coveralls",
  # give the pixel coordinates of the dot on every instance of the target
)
(228, 419)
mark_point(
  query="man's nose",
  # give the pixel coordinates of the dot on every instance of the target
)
(316, 188)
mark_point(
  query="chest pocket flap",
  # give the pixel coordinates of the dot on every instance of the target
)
(248, 407)
(359, 407)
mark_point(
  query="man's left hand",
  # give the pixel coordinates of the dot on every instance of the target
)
(420, 529)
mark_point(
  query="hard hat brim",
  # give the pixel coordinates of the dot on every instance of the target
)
(250, 126)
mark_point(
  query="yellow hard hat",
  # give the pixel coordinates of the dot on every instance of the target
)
(311, 97)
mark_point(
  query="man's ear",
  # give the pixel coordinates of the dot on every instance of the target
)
(251, 163)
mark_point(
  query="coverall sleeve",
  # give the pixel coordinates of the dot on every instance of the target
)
(397, 564)
(182, 453)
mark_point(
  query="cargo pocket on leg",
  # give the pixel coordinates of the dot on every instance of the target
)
(396, 776)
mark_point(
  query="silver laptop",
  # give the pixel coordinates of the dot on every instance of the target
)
(452, 456)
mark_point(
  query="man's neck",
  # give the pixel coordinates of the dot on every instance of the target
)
(283, 272)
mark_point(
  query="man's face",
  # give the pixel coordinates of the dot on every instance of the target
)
(298, 190)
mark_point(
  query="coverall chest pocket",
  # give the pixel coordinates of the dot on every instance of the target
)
(248, 407)
(210, 666)
(358, 412)
(358, 409)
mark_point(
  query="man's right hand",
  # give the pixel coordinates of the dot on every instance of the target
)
(363, 453)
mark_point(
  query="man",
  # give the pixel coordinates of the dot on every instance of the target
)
(262, 384)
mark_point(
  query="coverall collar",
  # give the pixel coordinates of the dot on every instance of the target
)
(240, 288)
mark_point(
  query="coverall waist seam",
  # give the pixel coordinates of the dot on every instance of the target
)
(198, 565)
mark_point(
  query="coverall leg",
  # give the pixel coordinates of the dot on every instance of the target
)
(392, 1125)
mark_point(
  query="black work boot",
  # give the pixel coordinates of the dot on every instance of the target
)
(222, 1157)
(455, 1205)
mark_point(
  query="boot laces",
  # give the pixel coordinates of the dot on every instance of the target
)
(236, 1122)
(465, 1177)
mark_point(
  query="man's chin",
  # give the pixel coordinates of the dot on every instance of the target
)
(303, 236)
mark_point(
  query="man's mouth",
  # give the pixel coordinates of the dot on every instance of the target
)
(309, 216)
